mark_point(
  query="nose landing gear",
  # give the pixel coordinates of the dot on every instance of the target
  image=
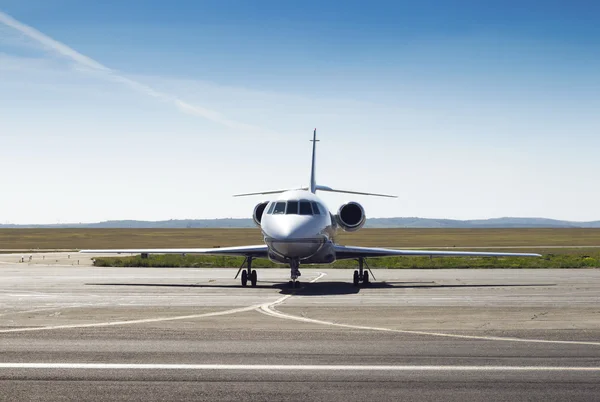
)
(248, 274)
(360, 275)
(295, 272)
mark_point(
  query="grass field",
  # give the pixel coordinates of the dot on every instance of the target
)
(509, 239)
(575, 260)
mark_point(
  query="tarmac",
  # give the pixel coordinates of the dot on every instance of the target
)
(73, 332)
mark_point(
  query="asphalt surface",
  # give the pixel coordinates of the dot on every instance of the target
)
(73, 332)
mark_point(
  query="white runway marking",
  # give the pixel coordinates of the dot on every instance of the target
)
(269, 309)
(281, 367)
(57, 308)
(321, 274)
(149, 320)
(132, 322)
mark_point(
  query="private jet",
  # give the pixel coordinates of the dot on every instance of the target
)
(298, 230)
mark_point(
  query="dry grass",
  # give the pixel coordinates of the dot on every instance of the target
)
(409, 238)
(574, 260)
(465, 238)
(125, 238)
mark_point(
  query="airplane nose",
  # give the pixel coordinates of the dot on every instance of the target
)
(297, 248)
(288, 232)
(294, 239)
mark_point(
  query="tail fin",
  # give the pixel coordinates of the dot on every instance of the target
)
(313, 179)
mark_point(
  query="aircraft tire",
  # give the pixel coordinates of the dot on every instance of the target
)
(355, 279)
(366, 278)
(253, 277)
(244, 278)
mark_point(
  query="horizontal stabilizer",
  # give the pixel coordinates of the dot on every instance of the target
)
(332, 190)
(267, 192)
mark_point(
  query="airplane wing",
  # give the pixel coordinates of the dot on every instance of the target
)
(348, 252)
(260, 251)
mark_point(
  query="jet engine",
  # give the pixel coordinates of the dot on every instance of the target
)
(258, 212)
(351, 216)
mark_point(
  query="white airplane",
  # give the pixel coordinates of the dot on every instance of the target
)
(298, 229)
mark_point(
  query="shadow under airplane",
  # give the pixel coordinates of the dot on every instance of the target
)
(325, 288)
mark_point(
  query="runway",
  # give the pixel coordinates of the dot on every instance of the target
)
(75, 332)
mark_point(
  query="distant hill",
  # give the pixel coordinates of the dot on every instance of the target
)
(170, 224)
(478, 223)
(372, 223)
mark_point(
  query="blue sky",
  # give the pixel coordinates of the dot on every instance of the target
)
(157, 110)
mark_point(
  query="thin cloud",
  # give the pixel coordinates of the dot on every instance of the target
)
(87, 63)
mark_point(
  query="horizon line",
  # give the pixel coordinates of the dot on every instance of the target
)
(250, 219)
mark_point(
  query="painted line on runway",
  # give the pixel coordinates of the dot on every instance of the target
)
(151, 320)
(284, 298)
(282, 367)
(321, 274)
(269, 309)
(56, 308)
(132, 322)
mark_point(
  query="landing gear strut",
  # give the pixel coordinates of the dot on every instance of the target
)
(360, 275)
(248, 274)
(295, 272)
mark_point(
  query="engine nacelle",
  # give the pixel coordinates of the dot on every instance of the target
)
(258, 212)
(351, 217)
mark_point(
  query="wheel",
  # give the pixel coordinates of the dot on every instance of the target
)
(366, 278)
(244, 278)
(253, 277)
(356, 280)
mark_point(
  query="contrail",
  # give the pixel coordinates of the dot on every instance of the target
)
(92, 65)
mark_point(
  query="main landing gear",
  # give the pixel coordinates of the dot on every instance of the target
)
(295, 273)
(248, 274)
(361, 275)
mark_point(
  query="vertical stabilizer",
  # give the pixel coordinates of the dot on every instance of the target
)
(313, 180)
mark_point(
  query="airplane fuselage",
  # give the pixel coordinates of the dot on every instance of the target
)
(297, 225)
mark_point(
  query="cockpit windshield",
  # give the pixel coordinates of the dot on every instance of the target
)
(279, 208)
(316, 209)
(302, 207)
(305, 208)
(292, 208)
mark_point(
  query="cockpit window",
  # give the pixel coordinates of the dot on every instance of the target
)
(279, 208)
(316, 210)
(305, 208)
(295, 207)
(292, 208)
